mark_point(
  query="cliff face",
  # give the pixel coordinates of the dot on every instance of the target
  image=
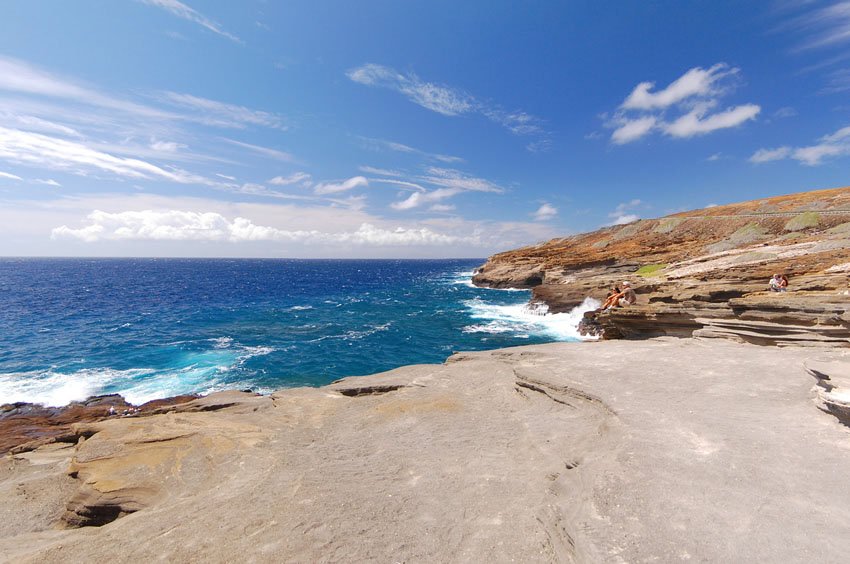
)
(704, 272)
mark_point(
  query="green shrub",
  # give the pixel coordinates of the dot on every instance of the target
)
(650, 270)
(805, 220)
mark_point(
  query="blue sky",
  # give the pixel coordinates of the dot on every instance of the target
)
(402, 129)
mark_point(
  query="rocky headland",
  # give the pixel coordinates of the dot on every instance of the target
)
(704, 272)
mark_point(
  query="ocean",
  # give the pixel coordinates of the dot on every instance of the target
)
(153, 328)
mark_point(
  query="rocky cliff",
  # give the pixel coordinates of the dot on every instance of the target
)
(704, 272)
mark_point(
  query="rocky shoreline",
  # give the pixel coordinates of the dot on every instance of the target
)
(704, 273)
(663, 449)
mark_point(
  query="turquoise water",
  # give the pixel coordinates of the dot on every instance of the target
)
(152, 328)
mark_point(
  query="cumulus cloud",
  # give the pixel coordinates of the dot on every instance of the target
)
(697, 82)
(622, 214)
(835, 144)
(683, 109)
(696, 122)
(183, 11)
(632, 130)
(545, 212)
(178, 225)
(443, 99)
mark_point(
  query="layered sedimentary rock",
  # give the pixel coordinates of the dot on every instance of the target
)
(704, 272)
(660, 450)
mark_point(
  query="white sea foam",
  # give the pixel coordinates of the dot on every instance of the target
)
(195, 372)
(525, 320)
(464, 278)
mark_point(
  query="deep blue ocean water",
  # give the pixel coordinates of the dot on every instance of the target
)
(152, 328)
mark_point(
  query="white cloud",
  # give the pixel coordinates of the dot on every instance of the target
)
(833, 145)
(265, 151)
(442, 208)
(167, 146)
(632, 130)
(825, 26)
(696, 122)
(418, 199)
(379, 171)
(785, 112)
(344, 186)
(47, 182)
(293, 178)
(626, 219)
(178, 225)
(545, 212)
(767, 155)
(380, 144)
(451, 178)
(9, 175)
(621, 215)
(213, 112)
(440, 99)
(443, 99)
(50, 152)
(692, 96)
(396, 182)
(181, 10)
(696, 82)
(22, 77)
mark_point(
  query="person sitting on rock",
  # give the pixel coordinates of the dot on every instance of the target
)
(610, 299)
(783, 283)
(776, 283)
(627, 297)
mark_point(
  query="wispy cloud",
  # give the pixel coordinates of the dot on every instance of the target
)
(443, 99)
(47, 182)
(342, 186)
(835, 144)
(21, 77)
(385, 145)
(824, 26)
(213, 112)
(294, 178)
(767, 155)
(449, 183)
(53, 153)
(545, 212)
(437, 98)
(684, 108)
(183, 11)
(9, 176)
(260, 150)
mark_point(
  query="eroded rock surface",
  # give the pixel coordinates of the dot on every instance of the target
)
(704, 272)
(657, 450)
